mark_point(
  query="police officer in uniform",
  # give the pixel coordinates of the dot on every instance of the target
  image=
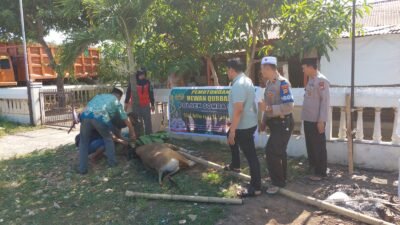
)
(278, 105)
(315, 114)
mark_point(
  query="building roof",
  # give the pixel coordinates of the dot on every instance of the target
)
(383, 13)
(384, 18)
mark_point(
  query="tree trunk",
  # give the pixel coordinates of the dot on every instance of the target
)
(132, 78)
(60, 88)
(255, 28)
(60, 73)
(213, 72)
(53, 65)
(131, 66)
(250, 56)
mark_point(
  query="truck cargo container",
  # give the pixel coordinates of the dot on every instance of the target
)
(12, 69)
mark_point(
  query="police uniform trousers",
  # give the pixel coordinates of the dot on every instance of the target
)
(281, 130)
(316, 148)
(244, 140)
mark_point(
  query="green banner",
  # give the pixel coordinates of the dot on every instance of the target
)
(199, 110)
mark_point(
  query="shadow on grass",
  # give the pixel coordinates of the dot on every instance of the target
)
(221, 154)
(43, 188)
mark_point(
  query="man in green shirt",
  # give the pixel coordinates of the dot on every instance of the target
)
(97, 116)
(243, 116)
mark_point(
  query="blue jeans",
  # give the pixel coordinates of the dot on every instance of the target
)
(95, 145)
(87, 127)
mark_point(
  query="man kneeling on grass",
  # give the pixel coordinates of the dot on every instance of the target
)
(97, 117)
(97, 144)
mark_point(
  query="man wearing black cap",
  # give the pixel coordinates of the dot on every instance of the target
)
(97, 116)
(315, 115)
(146, 100)
(243, 117)
(278, 106)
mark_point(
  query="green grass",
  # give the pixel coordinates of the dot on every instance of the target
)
(7, 127)
(221, 154)
(43, 188)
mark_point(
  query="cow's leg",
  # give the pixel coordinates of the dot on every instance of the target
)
(169, 175)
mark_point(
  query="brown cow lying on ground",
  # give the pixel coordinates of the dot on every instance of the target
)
(163, 158)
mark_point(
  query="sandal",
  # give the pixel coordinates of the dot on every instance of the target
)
(229, 168)
(248, 192)
(272, 190)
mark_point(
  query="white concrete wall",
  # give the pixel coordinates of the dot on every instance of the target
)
(377, 61)
(366, 155)
(382, 156)
(14, 105)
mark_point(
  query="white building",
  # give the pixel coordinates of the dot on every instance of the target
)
(377, 50)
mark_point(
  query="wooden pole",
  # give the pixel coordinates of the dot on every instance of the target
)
(353, 51)
(299, 197)
(188, 198)
(349, 126)
(350, 99)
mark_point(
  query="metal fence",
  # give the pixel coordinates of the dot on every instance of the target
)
(57, 108)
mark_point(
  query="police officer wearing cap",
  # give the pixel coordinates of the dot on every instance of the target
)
(315, 114)
(278, 105)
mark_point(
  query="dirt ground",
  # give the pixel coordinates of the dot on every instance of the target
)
(282, 210)
(278, 209)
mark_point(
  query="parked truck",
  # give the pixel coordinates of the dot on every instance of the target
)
(12, 69)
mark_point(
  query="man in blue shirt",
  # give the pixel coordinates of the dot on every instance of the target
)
(97, 116)
(96, 143)
(243, 116)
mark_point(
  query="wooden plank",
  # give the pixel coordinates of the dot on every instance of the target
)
(302, 219)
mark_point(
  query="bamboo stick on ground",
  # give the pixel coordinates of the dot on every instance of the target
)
(299, 197)
(188, 198)
(212, 165)
(333, 208)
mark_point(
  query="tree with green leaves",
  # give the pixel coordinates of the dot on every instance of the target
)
(189, 31)
(113, 66)
(305, 26)
(40, 18)
(253, 19)
(157, 50)
(171, 35)
(109, 20)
